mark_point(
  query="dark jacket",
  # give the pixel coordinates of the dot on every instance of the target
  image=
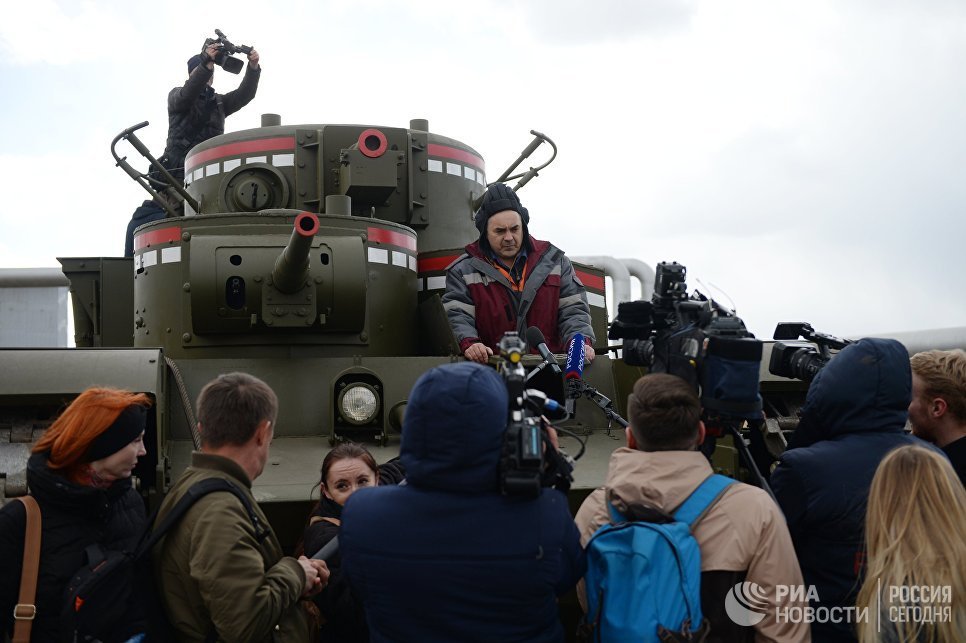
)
(481, 305)
(343, 617)
(196, 112)
(855, 412)
(446, 557)
(956, 452)
(73, 518)
(145, 213)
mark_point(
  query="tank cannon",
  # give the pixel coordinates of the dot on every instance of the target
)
(292, 266)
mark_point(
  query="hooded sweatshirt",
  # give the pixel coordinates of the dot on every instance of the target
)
(446, 557)
(854, 414)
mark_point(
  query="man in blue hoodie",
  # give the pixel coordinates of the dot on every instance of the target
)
(446, 557)
(855, 412)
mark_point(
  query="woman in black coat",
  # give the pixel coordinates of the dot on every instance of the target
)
(345, 469)
(80, 475)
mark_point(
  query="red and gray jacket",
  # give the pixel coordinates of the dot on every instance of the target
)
(481, 304)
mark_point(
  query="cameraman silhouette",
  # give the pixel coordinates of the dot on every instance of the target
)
(196, 112)
(447, 557)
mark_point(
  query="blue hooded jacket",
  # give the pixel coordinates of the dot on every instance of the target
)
(855, 412)
(446, 557)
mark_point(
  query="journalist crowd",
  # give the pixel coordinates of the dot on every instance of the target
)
(431, 549)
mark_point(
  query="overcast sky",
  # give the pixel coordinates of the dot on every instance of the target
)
(805, 158)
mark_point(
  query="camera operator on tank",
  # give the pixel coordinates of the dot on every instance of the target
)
(196, 113)
(509, 281)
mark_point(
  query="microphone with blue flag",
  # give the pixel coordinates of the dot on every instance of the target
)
(574, 371)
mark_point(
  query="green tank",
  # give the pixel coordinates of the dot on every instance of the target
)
(312, 256)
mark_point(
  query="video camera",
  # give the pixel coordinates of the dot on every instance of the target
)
(800, 359)
(529, 460)
(226, 48)
(696, 339)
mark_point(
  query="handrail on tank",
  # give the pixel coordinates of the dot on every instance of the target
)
(524, 177)
(142, 179)
(292, 266)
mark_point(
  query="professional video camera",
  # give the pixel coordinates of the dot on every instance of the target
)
(696, 339)
(800, 359)
(226, 48)
(705, 344)
(529, 460)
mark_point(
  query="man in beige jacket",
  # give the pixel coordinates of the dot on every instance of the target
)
(742, 537)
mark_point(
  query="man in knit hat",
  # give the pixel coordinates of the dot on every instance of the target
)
(196, 112)
(509, 281)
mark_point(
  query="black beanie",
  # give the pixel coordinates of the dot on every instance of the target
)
(125, 430)
(497, 198)
(194, 61)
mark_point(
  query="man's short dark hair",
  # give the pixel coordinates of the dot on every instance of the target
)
(231, 406)
(664, 413)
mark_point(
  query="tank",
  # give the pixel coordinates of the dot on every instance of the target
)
(314, 257)
(311, 256)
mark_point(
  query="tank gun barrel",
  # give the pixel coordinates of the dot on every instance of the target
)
(292, 266)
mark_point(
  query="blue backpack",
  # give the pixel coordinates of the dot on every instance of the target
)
(644, 571)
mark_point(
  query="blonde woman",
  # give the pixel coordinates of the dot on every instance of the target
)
(915, 582)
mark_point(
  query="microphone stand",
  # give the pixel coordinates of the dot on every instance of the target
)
(539, 367)
(580, 387)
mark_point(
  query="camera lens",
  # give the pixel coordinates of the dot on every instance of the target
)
(638, 352)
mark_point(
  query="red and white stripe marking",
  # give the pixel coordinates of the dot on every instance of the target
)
(280, 152)
(388, 247)
(401, 250)
(456, 162)
(159, 246)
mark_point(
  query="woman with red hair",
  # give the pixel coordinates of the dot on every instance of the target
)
(80, 475)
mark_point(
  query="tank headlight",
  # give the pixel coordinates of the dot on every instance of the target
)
(358, 403)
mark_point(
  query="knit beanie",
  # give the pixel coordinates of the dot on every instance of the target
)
(193, 62)
(497, 198)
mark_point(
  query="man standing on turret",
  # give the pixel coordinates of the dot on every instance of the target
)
(196, 112)
(509, 281)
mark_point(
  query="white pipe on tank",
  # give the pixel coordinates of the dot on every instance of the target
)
(618, 273)
(644, 274)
